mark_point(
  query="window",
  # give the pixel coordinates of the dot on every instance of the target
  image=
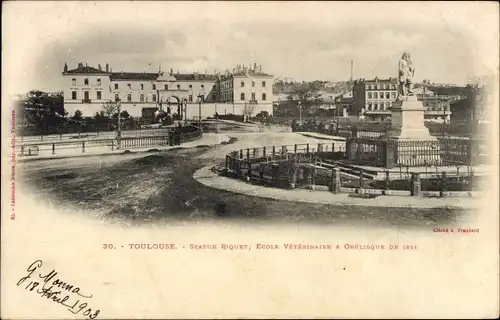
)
(154, 97)
(178, 87)
(116, 86)
(253, 83)
(375, 95)
(190, 86)
(393, 95)
(86, 81)
(98, 81)
(141, 97)
(387, 95)
(386, 86)
(263, 85)
(129, 86)
(86, 95)
(381, 95)
(369, 95)
(73, 82)
(117, 97)
(264, 96)
(99, 95)
(129, 97)
(166, 87)
(73, 95)
(242, 84)
(190, 98)
(142, 86)
(242, 96)
(154, 86)
(203, 86)
(253, 96)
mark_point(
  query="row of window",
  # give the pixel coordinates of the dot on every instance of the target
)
(129, 85)
(242, 96)
(253, 84)
(380, 95)
(381, 87)
(85, 81)
(378, 106)
(86, 95)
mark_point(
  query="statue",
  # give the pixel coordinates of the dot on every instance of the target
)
(405, 75)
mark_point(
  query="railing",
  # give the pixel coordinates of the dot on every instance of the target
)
(305, 165)
(370, 152)
(413, 153)
(86, 101)
(105, 144)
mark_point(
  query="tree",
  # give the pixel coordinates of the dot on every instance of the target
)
(124, 114)
(77, 116)
(109, 108)
(306, 95)
(248, 110)
(262, 115)
(44, 109)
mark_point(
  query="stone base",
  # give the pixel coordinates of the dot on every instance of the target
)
(408, 120)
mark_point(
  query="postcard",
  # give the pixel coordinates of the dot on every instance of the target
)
(250, 160)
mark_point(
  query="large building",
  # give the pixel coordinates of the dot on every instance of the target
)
(373, 99)
(245, 90)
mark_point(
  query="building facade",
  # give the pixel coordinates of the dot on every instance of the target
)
(373, 99)
(188, 95)
(246, 90)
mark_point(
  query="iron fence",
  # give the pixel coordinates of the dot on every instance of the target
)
(109, 144)
(412, 153)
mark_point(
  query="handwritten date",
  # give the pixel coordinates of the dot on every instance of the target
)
(51, 287)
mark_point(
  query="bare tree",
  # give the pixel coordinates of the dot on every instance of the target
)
(109, 108)
(248, 110)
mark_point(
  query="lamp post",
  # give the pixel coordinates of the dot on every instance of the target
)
(201, 97)
(300, 112)
(118, 128)
(185, 110)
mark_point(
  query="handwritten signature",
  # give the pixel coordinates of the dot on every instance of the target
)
(53, 288)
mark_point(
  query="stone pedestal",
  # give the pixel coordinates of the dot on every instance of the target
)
(415, 145)
(407, 120)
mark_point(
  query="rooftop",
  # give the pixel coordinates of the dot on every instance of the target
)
(84, 70)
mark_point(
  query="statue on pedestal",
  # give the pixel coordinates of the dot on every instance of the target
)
(405, 76)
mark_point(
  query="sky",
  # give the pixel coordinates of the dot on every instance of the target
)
(448, 42)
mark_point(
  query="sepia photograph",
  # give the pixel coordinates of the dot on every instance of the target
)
(250, 159)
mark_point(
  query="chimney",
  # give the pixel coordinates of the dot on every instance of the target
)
(260, 68)
(254, 66)
(99, 67)
(86, 64)
(65, 69)
(107, 67)
(171, 71)
(351, 68)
